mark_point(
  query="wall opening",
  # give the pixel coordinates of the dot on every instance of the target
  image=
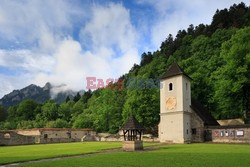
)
(6, 136)
(170, 87)
(194, 131)
(69, 135)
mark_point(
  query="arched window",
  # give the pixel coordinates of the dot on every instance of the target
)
(6, 135)
(170, 87)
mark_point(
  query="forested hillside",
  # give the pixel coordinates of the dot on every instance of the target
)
(215, 56)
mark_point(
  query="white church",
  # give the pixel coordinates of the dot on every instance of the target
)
(182, 119)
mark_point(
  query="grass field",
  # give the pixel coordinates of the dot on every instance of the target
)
(210, 155)
(10, 154)
(200, 155)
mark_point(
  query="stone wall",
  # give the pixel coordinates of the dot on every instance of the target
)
(28, 132)
(46, 135)
(66, 135)
(132, 145)
(197, 128)
(230, 134)
(8, 138)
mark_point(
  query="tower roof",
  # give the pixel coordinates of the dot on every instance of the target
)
(174, 70)
(132, 123)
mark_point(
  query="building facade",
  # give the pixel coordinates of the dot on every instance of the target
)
(182, 119)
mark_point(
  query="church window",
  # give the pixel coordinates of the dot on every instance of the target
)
(194, 131)
(170, 87)
(186, 86)
(187, 131)
(45, 136)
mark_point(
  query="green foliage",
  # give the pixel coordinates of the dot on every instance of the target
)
(77, 97)
(215, 56)
(8, 125)
(83, 120)
(64, 111)
(50, 110)
(27, 110)
(233, 78)
(144, 105)
(59, 123)
(3, 113)
(67, 99)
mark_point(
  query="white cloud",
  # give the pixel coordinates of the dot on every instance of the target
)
(37, 27)
(110, 26)
(27, 60)
(10, 83)
(174, 15)
(61, 59)
(28, 20)
(108, 41)
(107, 33)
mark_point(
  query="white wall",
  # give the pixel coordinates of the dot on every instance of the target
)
(175, 122)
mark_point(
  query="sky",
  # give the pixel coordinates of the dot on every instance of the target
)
(63, 41)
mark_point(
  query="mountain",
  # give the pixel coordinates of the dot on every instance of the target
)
(37, 93)
(215, 56)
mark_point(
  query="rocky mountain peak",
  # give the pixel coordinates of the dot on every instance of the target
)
(36, 93)
(47, 86)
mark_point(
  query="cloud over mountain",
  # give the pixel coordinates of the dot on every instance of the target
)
(64, 41)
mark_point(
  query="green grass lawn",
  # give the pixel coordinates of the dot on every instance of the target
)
(10, 154)
(200, 155)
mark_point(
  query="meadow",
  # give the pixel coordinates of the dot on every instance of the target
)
(9, 154)
(175, 155)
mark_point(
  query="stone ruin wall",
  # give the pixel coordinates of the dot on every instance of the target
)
(198, 125)
(8, 138)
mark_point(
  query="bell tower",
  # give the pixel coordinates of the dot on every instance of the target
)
(175, 101)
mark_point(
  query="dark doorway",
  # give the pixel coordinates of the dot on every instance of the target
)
(208, 135)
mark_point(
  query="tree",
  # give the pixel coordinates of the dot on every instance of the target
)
(108, 110)
(67, 99)
(84, 120)
(65, 110)
(26, 110)
(85, 97)
(233, 78)
(50, 110)
(144, 104)
(77, 97)
(3, 114)
(59, 123)
(25, 125)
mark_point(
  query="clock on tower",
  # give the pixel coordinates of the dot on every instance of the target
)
(175, 95)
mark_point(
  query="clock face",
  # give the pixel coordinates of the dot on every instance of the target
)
(171, 103)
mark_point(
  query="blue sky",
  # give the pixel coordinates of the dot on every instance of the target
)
(64, 41)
